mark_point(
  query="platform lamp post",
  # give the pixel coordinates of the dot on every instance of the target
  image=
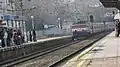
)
(32, 18)
(59, 26)
(59, 23)
(33, 26)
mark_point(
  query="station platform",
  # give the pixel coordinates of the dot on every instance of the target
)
(14, 52)
(39, 40)
(104, 53)
(48, 39)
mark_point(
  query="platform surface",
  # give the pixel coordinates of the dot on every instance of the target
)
(104, 53)
(48, 39)
(40, 40)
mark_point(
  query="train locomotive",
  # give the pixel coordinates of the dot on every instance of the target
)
(86, 29)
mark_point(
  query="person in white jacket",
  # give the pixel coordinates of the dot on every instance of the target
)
(5, 37)
(117, 22)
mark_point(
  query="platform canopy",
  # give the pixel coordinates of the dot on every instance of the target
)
(111, 3)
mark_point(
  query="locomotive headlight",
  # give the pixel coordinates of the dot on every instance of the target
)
(85, 29)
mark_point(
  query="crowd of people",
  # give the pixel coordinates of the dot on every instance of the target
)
(9, 37)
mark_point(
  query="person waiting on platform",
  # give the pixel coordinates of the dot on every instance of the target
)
(30, 36)
(34, 36)
(117, 22)
(9, 37)
(2, 37)
(118, 28)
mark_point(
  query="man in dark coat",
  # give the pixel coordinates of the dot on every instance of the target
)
(1, 37)
(118, 28)
(9, 37)
(19, 37)
(34, 35)
(30, 36)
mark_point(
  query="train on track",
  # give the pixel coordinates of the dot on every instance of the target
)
(85, 29)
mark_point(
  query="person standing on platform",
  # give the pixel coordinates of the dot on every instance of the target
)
(118, 28)
(22, 38)
(19, 38)
(117, 22)
(5, 37)
(2, 37)
(34, 36)
(15, 37)
(30, 36)
(10, 34)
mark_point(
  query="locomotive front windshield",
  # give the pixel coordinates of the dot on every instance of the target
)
(79, 26)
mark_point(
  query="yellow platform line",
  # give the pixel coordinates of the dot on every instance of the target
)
(83, 60)
(84, 55)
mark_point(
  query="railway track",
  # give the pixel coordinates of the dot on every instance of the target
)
(62, 61)
(41, 55)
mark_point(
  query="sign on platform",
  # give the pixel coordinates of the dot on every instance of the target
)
(11, 17)
(6, 17)
(19, 18)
